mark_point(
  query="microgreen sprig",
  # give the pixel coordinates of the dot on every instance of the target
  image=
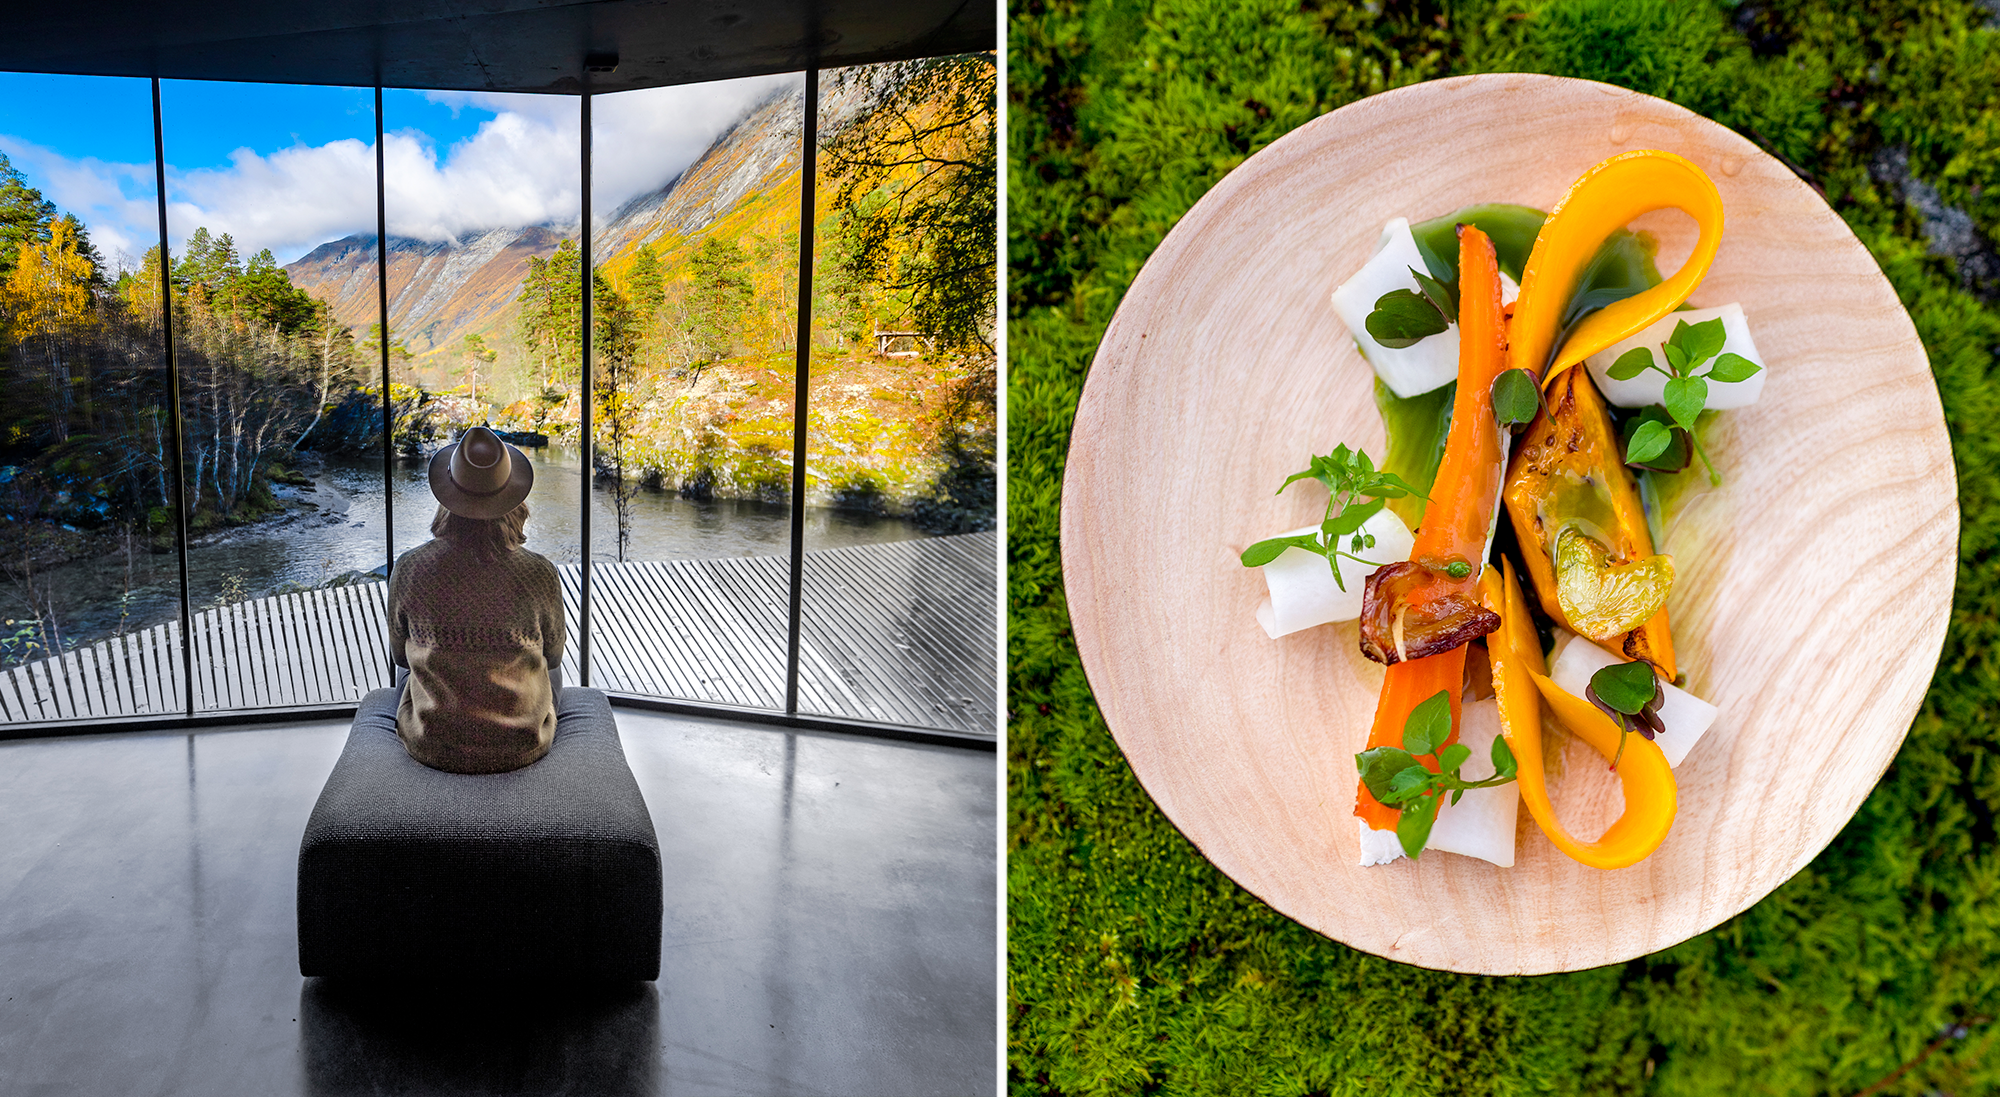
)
(1396, 778)
(1631, 696)
(1689, 348)
(1350, 476)
(1402, 317)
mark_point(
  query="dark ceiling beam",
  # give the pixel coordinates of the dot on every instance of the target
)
(489, 45)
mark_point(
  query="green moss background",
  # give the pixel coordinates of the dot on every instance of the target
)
(1137, 968)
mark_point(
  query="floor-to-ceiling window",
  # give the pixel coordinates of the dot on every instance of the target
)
(693, 206)
(89, 581)
(280, 416)
(902, 417)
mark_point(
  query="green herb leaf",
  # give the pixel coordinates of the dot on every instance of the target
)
(1504, 766)
(1407, 785)
(1626, 687)
(1733, 367)
(1677, 357)
(1458, 569)
(1263, 552)
(1351, 517)
(1516, 398)
(1631, 364)
(1402, 317)
(1452, 757)
(1444, 296)
(1413, 829)
(1701, 341)
(1672, 459)
(1429, 724)
(1379, 766)
(1649, 441)
(1684, 398)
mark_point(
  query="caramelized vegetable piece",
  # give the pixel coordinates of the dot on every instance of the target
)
(1521, 685)
(1460, 513)
(1394, 628)
(1567, 473)
(1605, 199)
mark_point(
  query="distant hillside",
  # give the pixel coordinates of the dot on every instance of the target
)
(439, 292)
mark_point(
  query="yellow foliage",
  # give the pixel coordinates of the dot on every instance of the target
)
(48, 295)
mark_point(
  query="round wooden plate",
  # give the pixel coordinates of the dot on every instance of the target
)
(1813, 590)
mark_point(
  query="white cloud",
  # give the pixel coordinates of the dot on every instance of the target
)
(520, 168)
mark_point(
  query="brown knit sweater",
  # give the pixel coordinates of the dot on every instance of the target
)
(479, 637)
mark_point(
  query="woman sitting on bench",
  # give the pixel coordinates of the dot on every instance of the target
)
(477, 619)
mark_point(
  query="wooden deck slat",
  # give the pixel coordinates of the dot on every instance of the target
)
(899, 632)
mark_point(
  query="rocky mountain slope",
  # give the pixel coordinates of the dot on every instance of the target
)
(439, 292)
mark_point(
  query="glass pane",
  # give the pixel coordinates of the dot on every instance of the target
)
(696, 240)
(484, 315)
(902, 555)
(271, 211)
(89, 583)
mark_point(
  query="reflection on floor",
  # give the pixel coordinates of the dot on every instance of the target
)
(830, 928)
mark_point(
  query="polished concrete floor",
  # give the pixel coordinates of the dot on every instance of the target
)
(830, 928)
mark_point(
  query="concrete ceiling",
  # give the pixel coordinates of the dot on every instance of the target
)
(485, 45)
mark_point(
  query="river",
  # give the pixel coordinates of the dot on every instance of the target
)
(337, 527)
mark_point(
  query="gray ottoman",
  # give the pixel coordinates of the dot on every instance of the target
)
(548, 872)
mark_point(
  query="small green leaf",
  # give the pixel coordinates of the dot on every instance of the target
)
(1677, 357)
(1626, 687)
(1452, 757)
(1402, 317)
(1504, 766)
(1684, 398)
(1516, 398)
(1407, 784)
(1380, 765)
(1701, 341)
(1444, 296)
(1631, 364)
(1429, 724)
(1263, 552)
(1351, 518)
(1413, 829)
(1733, 367)
(1458, 569)
(1649, 441)
(1672, 459)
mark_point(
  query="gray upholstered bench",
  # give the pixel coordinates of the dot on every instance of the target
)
(548, 872)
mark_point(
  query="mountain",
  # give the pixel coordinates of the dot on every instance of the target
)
(439, 292)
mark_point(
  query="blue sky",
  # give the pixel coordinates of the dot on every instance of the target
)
(288, 167)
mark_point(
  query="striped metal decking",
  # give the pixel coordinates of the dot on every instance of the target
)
(899, 633)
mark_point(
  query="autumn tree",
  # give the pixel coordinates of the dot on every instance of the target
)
(918, 191)
(47, 306)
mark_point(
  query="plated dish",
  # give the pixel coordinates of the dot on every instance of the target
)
(1225, 360)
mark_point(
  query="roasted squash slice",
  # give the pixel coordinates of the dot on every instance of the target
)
(1567, 474)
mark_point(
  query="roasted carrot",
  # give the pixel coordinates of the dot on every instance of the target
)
(1460, 515)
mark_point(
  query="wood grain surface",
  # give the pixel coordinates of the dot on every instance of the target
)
(1813, 589)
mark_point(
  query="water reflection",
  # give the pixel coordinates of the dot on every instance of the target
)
(335, 527)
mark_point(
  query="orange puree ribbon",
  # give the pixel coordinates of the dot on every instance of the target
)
(1521, 685)
(1605, 199)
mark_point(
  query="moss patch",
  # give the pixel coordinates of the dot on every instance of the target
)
(1136, 967)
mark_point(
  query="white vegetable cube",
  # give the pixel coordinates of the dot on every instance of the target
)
(1303, 593)
(1429, 363)
(1650, 387)
(1481, 824)
(1686, 716)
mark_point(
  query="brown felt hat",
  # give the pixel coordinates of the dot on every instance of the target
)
(479, 476)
